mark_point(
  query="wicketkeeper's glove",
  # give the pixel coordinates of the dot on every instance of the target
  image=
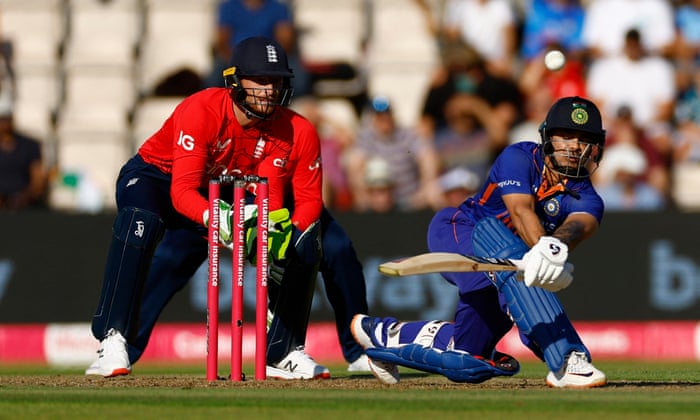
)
(278, 238)
(225, 216)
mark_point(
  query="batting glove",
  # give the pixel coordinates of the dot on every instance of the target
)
(545, 261)
(561, 282)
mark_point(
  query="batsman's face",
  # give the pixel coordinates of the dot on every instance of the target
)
(575, 150)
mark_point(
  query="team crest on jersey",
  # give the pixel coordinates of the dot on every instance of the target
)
(552, 207)
(259, 148)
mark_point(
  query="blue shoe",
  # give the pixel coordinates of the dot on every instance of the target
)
(367, 332)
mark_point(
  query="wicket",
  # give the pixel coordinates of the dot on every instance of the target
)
(238, 274)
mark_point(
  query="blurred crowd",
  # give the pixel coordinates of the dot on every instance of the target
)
(639, 60)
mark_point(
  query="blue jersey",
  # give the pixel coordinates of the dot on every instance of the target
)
(519, 170)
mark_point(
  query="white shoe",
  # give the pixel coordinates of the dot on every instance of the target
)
(297, 365)
(112, 358)
(361, 364)
(363, 329)
(577, 372)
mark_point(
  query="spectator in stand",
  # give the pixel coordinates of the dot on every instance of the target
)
(537, 104)
(465, 72)
(380, 186)
(607, 22)
(336, 138)
(240, 19)
(549, 25)
(23, 178)
(570, 80)
(641, 81)
(548, 22)
(687, 117)
(412, 159)
(489, 26)
(473, 135)
(458, 184)
(687, 45)
(623, 130)
(625, 189)
(686, 143)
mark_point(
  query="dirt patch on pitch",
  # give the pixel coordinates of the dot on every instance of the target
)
(364, 382)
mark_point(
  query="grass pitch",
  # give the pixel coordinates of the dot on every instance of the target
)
(635, 390)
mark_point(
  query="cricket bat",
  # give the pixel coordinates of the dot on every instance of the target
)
(441, 262)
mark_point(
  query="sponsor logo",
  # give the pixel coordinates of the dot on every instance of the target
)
(554, 249)
(290, 366)
(185, 141)
(131, 182)
(509, 182)
(140, 228)
(316, 164)
(221, 145)
(279, 162)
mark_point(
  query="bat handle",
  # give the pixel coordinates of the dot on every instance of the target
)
(521, 265)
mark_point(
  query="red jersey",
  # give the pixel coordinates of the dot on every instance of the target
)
(202, 139)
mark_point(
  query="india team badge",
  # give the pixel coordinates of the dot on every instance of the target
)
(552, 207)
(579, 115)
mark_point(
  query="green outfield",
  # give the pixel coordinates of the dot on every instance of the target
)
(635, 390)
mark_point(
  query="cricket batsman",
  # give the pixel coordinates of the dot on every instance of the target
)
(537, 204)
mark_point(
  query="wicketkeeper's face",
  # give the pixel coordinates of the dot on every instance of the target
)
(263, 93)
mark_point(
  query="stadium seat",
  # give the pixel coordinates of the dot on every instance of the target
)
(96, 156)
(331, 31)
(36, 30)
(149, 115)
(102, 33)
(178, 35)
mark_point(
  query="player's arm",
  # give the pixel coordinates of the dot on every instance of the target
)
(576, 228)
(307, 178)
(546, 261)
(522, 212)
(190, 157)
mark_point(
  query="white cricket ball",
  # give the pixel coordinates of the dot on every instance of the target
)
(554, 60)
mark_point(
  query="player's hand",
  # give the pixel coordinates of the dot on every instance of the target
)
(280, 233)
(561, 282)
(225, 222)
(545, 261)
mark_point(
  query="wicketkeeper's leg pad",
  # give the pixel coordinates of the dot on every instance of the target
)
(540, 318)
(291, 300)
(455, 366)
(135, 235)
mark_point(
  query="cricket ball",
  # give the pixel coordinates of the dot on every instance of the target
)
(554, 60)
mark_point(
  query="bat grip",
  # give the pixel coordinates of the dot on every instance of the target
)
(521, 265)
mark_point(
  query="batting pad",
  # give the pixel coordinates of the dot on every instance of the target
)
(537, 312)
(455, 366)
